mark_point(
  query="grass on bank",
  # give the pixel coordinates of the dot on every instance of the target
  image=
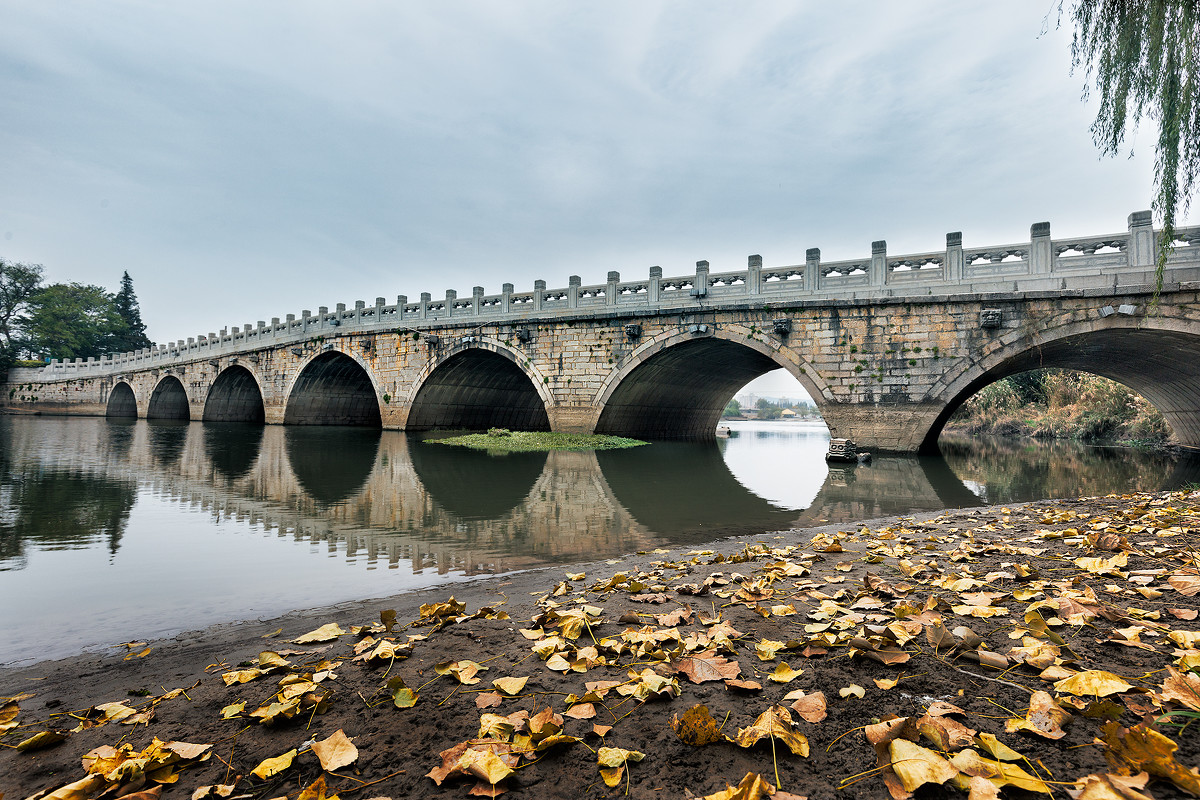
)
(503, 440)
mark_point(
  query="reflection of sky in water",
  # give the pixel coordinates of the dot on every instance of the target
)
(781, 461)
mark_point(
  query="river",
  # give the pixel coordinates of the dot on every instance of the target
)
(112, 531)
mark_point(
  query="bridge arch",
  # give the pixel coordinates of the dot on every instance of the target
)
(169, 400)
(1157, 356)
(122, 403)
(676, 385)
(484, 384)
(235, 396)
(333, 388)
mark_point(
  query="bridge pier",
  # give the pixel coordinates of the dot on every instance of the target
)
(892, 428)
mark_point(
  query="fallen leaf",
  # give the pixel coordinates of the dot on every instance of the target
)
(273, 766)
(510, 686)
(335, 752)
(811, 707)
(917, 766)
(775, 722)
(1111, 787)
(1044, 717)
(41, 740)
(696, 727)
(784, 673)
(612, 762)
(1095, 682)
(488, 699)
(708, 666)
(853, 690)
(1140, 748)
(325, 633)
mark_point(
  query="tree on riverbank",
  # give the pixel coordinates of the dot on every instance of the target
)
(71, 320)
(133, 335)
(18, 283)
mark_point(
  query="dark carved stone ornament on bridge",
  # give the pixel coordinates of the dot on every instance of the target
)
(782, 326)
(523, 335)
(633, 331)
(990, 318)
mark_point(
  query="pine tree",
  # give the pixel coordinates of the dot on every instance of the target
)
(1144, 59)
(133, 336)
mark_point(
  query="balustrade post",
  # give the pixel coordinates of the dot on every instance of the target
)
(359, 305)
(1142, 250)
(401, 302)
(506, 297)
(425, 298)
(700, 283)
(610, 293)
(812, 269)
(953, 271)
(539, 289)
(341, 309)
(290, 319)
(476, 299)
(1040, 254)
(754, 275)
(654, 285)
(451, 296)
(305, 316)
(573, 284)
(878, 274)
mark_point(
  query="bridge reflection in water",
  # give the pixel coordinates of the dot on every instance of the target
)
(158, 526)
(386, 496)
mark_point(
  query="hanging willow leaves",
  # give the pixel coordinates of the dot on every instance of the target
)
(1143, 61)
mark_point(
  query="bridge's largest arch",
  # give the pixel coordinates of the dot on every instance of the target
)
(677, 387)
(333, 389)
(478, 388)
(1158, 357)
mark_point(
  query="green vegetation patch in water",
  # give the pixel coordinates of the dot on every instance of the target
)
(504, 440)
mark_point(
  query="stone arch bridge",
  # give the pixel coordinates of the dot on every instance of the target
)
(888, 346)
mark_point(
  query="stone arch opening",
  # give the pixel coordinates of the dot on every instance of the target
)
(477, 389)
(121, 402)
(235, 397)
(1162, 366)
(169, 400)
(333, 389)
(680, 391)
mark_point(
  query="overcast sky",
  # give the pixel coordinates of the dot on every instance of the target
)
(243, 160)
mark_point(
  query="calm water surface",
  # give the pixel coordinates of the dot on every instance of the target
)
(114, 531)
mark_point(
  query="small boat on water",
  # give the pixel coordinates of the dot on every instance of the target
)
(723, 432)
(845, 451)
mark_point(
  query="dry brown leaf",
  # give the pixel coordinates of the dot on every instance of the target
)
(1044, 717)
(697, 727)
(1186, 585)
(752, 787)
(1182, 687)
(708, 666)
(743, 686)
(487, 700)
(335, 752)
(581, 711)
(811, 707)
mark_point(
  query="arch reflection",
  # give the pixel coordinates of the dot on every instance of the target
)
(472, 484)
(232, 447)
(331, 464)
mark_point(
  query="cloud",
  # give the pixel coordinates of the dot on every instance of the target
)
(247, 161)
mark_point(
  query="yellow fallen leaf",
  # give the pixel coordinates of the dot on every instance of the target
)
(510, 686)
(233, 709)
(335, 752)
(485, 765)
(1095, 682)
(1111, 787)
(325, 633)
(40, 740)
(273, 766)
(752, 787)
(1044, 717)
(784, 673)
(612, 762)
(917, 766)
(1141, 748)
(853, 690)
(775, 722)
